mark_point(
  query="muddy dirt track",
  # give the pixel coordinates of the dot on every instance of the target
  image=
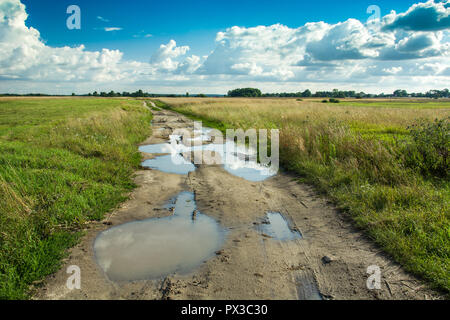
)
(328, 261)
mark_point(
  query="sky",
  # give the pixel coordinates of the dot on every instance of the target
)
(214, 46)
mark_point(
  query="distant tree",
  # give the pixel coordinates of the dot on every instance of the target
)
(95, 94)
(245, 92)
(306, 94)
(400, 93)
(73, 94)
(201, 95)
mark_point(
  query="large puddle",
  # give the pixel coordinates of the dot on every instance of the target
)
(235, 159)
(157, 247)
(278, 227)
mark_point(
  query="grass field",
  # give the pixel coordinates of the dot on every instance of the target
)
(373, 158)
(63, 162)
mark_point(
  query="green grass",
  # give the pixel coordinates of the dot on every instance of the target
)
(359, 159)
(63, 162)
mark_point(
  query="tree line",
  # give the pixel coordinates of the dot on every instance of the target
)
(256, 93)
(252, 92)
(141, 94)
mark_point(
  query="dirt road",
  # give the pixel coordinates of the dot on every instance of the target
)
(328, 261)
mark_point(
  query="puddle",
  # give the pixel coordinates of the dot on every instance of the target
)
(156, 148)
(170, 164)
(235, 159)
(249, 170)
(278, 227)
(202, 134)
(155, 248)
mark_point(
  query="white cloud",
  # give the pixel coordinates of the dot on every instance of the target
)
(428, 16)
(348, 40)
(109, 29)
(23, 55)
(167, 56)
(393, 70)
(320, 52)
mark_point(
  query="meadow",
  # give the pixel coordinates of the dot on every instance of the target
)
(385, 163)
(63, 163)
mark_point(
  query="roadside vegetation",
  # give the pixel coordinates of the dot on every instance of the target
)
(63, 163)
(384, 163)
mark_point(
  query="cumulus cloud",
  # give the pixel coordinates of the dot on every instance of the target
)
(429, 16)
(263, 51)
(349, 40)
(23, 55)
(189, 65)
(166, 57)
(320, 51)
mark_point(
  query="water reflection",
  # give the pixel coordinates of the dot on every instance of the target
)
(158, 247)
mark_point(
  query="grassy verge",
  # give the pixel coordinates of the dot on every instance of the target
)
(63, 162)
(390, 179)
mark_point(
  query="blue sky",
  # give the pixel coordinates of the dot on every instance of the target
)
(214, 46)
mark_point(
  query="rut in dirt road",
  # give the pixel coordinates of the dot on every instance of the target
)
(224, 232)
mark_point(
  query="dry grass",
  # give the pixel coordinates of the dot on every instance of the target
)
(286, 111)
(355, 154)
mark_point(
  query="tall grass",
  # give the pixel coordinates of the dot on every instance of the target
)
(360, 156)
(63, 162)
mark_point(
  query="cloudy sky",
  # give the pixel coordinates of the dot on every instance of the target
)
(214, 46)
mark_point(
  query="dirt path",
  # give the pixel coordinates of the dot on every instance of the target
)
(250, 264)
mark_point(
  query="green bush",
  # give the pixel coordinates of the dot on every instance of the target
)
(245, 92)
(429, 147)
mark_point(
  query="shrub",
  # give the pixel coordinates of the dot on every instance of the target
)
(429, 147)
(332, 100)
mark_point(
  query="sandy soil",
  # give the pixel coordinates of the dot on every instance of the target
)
(250, 264)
